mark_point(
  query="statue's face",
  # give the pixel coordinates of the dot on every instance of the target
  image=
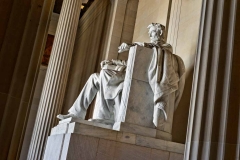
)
(153, 34)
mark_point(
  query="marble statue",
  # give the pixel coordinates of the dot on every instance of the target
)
(165, 74)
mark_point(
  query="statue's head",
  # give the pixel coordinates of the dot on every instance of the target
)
(156, 32)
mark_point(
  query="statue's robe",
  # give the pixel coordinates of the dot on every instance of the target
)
(166, 75)
(108, 84)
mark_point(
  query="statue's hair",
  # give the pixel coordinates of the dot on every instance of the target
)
(160, 29)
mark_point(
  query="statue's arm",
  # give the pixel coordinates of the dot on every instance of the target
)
(105, 62)
(125, 46)
(119, 62)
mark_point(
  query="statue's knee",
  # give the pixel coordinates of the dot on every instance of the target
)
(94, 76)
(102, 72)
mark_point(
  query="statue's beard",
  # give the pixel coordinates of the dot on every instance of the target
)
(155, 39)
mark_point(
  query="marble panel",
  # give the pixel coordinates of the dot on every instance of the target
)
(117, 29)
(107, 147)
(101, 156)
(126, 137)
(82, 147)
(160, 144)
(66, 142)
(159, 155)
(115, 42)
(89, 130)
(53, 147)
(90, 142)
(163, 135)
(93, 123)
(140, 58)
(133, 152)
(139, 110)
(176, 156)
(129, 28)
(151, 142)
(136, 129)
(72, 119)
(60, 129)
(175, 147)
(145, 16)
(133, 5)
(126, 37)
(130, 18)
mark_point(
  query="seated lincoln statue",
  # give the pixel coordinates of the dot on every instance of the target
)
(165, 74)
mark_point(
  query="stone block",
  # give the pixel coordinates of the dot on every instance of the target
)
(131, 152)
(66, 143)
(71, 119)
(81, 147)
(101, 156)
(136, 129)
(107, 147)
(126, 137)
(92, 123)
(176, 156)
(54, 145)
(83, 141)
(60, 129)
(160, 144)
(159, 155)
(163, 135)
(89, 130)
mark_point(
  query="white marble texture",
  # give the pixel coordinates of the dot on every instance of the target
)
(137, 97)
(85, 141)
(136, 129)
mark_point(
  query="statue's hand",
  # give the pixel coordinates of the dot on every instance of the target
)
(104, 62)
(124, 47)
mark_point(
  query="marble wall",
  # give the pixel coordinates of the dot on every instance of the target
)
(183, 21)
(149, 11)
(183, 35)
(123, 24)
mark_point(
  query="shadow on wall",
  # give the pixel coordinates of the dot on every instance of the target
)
(180, 121)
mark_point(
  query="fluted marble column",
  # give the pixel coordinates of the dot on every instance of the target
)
(56, 77)
(214, 114)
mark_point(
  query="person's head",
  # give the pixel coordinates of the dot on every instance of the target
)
(156, 32)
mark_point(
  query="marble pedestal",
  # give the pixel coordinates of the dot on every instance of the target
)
(74, 139)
